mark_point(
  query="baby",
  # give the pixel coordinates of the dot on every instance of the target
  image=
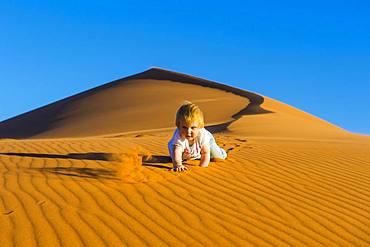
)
(191, 140)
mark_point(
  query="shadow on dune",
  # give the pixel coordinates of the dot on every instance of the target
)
(161, 74)
(78, 156)
(150, 161)
(82, 172)
(157, 161)
(253, 108)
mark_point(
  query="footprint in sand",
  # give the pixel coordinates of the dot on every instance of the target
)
(40, 203)
(8, 212)
(229, 143)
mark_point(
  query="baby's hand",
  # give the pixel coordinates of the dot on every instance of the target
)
(180, 168)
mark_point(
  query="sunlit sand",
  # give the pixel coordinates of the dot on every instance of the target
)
(93, 170)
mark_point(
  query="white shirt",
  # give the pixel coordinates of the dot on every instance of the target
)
(189, 151)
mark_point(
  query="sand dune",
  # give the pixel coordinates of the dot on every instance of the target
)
(94, 171)
(136, 103)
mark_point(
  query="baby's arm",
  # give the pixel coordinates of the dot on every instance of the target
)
(206, 156)
(177, 160)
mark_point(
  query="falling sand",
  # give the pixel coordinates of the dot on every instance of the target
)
(93, 170)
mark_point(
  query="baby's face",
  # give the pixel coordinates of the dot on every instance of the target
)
(190, 132)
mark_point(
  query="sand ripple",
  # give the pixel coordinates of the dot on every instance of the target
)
(94, 192)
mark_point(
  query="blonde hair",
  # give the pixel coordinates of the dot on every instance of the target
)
(189, 113)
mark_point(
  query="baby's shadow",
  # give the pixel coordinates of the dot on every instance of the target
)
(157, 161)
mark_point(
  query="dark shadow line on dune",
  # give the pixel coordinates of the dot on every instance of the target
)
(77, 156)
(249, 110)
(255, 100)
(156, 166)
(82, 172)
(162, 74)
(156, 161)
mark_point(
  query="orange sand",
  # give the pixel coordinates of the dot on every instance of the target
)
(93, 170)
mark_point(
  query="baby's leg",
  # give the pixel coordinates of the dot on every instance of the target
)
(216, 151)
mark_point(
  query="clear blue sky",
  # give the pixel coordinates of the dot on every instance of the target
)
(314, 55)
